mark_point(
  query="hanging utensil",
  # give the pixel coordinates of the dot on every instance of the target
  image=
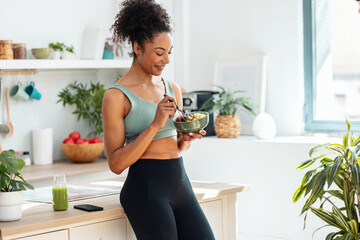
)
(8, 121)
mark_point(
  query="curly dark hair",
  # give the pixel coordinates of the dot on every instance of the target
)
(139, 21)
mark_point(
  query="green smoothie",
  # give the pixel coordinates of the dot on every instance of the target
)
(60, 198)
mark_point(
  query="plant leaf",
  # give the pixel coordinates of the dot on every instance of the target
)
(353, 227)
(337, 193)
(334, 170)
(325, 216)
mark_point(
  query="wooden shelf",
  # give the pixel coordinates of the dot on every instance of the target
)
(64, 64)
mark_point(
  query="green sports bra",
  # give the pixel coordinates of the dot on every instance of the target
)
(142, 114)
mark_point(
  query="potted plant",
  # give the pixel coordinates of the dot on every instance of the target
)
(62, 51)
(69, 52)
(227, 104)
(87, 101)
(57, 49)
(334, 185)
(11, 189)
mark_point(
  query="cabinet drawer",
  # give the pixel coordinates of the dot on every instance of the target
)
(213, 212)
(109, 230)
(58, 235)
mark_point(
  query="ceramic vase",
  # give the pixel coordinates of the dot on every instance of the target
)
(264, 126)
(10, 205)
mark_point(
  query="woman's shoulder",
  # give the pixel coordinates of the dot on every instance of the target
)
(113, 95)
(174, 86)
(116, 92)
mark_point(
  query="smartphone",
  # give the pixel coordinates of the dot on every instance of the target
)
(88, 207)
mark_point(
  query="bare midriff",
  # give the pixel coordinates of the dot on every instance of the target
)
(163, 148)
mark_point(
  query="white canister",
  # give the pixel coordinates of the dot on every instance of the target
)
(42, 140)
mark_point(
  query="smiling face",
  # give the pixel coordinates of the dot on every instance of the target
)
(156, 54)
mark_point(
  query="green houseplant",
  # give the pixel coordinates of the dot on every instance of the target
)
(228, 103)
(87, 101)
(333, 187)
(12, 186)
(62, 51)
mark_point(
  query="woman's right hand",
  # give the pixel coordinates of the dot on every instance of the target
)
(165, 109)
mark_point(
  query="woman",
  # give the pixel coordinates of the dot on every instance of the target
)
(139, 133)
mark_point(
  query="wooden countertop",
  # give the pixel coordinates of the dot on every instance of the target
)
(46, 172)
(38, 217)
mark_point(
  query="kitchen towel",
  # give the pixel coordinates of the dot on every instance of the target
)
(42, 140)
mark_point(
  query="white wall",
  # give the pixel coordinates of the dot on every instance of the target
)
(266, 211)
(202, 34)
(213, 29)
(38, 23)
(204, 31)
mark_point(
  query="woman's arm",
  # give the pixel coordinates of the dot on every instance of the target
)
(184, 140)
(119, 156)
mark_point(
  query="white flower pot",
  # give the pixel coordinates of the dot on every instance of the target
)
(56, 55)
(10, 205)
(68, 55)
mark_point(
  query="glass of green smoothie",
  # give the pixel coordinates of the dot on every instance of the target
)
(60, 195)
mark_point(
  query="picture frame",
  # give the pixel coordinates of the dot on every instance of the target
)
(247, 73)
(93, 43)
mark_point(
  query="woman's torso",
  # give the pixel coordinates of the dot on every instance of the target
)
(163, 148)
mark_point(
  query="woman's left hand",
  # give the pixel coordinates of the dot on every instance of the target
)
(192, 136)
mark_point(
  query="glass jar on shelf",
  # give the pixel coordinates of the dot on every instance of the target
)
(19, 50)
(6, 51)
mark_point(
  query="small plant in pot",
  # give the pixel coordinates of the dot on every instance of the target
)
(333, 187)
(227, 104)
(62, 51)
(69, 52)
(57, 49)
(12, 186)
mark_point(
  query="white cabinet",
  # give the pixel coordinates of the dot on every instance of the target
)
(214, 214)
(109, 230)
(57, 235)
(131, 232)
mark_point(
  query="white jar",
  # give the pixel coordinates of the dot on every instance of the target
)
(26, 157)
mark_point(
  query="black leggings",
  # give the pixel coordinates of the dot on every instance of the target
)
(160, 204)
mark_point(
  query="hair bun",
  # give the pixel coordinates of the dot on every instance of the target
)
(140, 20)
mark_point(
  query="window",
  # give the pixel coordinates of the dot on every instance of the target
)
(332, 65)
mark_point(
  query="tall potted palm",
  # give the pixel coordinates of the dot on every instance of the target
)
(227, 104)
(337, 177)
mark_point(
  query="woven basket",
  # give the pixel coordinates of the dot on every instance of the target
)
(227, 126)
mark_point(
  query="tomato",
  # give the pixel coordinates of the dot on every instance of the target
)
(82, 141)
(96, 140)
(75, 136)
(69, 141)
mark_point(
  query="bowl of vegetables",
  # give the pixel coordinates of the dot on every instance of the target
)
(192, 122)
